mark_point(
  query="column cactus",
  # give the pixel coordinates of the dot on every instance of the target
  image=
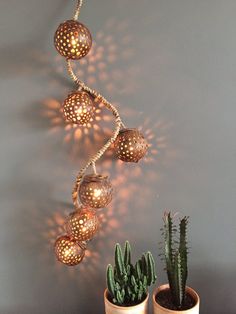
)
(175, 255)
(127, 283)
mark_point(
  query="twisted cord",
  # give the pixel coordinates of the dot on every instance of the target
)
(99, 154)
(77, 9)
(108, 105)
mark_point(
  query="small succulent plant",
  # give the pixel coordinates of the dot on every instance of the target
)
(127, 283)
(175, 256)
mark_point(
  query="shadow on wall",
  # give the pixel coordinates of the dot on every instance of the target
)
(102, 71)
(43, 217)
(108, 67)
(99, 68)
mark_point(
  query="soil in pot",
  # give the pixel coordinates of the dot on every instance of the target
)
(164, 298)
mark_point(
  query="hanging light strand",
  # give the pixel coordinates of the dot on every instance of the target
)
(119, 124)
(90, 192)
(77, 9)
(98, 155)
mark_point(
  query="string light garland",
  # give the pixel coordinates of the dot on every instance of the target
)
(73, 41)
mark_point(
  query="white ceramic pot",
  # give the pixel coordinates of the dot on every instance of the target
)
(158, 309)
(110, 308)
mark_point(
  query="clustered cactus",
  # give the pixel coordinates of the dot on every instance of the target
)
(175, 254)
(127, 283)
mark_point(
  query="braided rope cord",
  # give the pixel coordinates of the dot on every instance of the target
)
(98, 97)
(77, 9)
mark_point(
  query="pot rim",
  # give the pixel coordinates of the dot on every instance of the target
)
(123, 307)
(165, 286)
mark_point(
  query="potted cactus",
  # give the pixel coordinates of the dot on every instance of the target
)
(175, 297)
(127, 284)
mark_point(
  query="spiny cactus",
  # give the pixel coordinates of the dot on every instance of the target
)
(127, 283)
(175, 253)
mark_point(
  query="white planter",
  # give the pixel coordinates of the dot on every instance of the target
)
(110, 308)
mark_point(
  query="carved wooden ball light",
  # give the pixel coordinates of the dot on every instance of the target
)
(95, 191)
(79, 108)
(72, 40)
(82, 225)
(68, 251)
(130, 145)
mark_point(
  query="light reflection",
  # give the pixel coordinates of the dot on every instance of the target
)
(133, 184)
(92, 136)
(112, 227)
(108, 66)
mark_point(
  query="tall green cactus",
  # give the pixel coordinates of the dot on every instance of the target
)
(127, 283)
(175, 252)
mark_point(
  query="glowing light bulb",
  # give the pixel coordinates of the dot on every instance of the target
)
(130, 145)
(79, 108)
(73, 42)
(82, 225)
(66, 253)
(72, 39)
(69, 251)
(95, 191)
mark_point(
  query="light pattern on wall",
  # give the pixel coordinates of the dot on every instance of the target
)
(91, 191)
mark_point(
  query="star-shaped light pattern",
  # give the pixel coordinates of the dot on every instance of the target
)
(104, 70)
(48, 226)
(105, 67)
(91, 135)
(133, 185)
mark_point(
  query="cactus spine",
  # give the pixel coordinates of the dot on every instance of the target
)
(127, 283)
(175, 253)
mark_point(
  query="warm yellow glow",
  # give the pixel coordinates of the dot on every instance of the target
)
(73, 42)
(79, 110)
(83, 225)
(97, 192)
(66, 253)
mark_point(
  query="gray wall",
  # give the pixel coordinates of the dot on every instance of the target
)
(170, 67)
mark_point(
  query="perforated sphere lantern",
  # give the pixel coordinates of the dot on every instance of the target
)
(72, 40)
(68, 251)
(95, 191)
(82, 225)
(78, 108)
(130, 145)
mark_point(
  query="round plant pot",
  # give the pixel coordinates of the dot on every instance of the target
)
(110, 308)
(158, 309)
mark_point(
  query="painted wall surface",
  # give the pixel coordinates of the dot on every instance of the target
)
(169, 65)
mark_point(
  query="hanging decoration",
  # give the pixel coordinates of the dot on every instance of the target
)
(82, 225)
(91, 191)
(78, 108)
(69, 251)
(72, 40)
(130, 145)
(95, 191)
